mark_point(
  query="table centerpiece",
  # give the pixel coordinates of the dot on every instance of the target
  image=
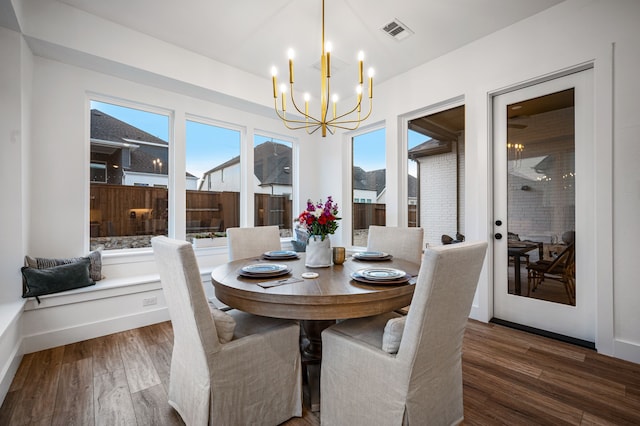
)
(319, 220)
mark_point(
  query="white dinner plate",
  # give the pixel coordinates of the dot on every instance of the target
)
(263, 268)
(277, 254)
(397, 281)
(382, 274)
(372, 255)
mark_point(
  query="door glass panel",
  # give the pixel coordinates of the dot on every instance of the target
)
(541, 197)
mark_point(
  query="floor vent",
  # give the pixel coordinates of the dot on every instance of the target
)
(397, 30)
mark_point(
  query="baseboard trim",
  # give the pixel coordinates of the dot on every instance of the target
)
(53, 338)
(627, 350)
(545, 333)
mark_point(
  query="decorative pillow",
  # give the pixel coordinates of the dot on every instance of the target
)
(393, 334)
(95, 268)
(225, 324)
(56, 279)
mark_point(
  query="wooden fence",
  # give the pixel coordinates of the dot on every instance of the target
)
(273, 210)
(119, 210)
(366, 214)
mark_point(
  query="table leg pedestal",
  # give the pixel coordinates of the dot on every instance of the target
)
(311, 351)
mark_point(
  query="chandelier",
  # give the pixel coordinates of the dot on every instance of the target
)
(349, 120)
(514, 151)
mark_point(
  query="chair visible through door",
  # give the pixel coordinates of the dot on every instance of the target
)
(562, 269)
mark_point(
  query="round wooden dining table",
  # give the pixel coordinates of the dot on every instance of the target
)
(316, 302)
(332, 295)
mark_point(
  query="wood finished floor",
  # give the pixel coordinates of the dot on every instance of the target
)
(510, 378)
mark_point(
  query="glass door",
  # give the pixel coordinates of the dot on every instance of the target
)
(543, 258)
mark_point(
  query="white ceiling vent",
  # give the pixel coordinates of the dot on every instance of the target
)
(397, 30)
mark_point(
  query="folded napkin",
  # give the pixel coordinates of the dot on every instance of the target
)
(267, 284)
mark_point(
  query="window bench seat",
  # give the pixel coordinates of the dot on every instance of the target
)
(112, 305)
(108, 287)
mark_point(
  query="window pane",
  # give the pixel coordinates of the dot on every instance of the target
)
(413, 195)
(369, 183)
(128, 176)
(273, 184)
(213, 179)
(437, 145)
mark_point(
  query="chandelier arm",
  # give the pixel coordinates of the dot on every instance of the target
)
(288, 121)
(287, 124)
(295, 105)
(347, 125)
(337, 122)
(338, 118)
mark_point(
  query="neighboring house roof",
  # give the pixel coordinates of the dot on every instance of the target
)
(376, 180)
(272, 164)
(429, 147)
(147, 147)
(106, 127)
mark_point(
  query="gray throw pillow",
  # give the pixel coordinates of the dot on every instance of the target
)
(38, 282)
(95, 268)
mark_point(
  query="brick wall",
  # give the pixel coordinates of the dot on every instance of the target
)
(543, 208)
(439, 196)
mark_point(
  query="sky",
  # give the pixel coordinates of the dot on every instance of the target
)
(209, 146)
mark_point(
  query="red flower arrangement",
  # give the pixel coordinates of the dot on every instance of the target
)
(320, 219)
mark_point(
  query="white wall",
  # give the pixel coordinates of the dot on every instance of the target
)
(570, 34)
(11, 162)
(231, 181)
(15, 87)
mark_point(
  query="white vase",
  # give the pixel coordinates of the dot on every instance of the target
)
(318, 252)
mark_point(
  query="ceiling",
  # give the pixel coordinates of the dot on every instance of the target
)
(254, 35)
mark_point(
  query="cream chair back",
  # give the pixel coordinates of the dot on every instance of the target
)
(431, 344)
(194, 331)
(401, 242)
(254, 377)
(422, 383)
(248, 242)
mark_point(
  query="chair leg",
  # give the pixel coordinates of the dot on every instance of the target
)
(535, 279)
(569, 287)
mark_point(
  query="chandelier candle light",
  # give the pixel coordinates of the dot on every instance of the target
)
(349, 120)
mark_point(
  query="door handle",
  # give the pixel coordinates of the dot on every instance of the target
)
(498, 236)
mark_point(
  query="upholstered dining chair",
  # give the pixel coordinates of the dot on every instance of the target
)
(401, 242)
(226, 368)
(247, 242)
(405, 370)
